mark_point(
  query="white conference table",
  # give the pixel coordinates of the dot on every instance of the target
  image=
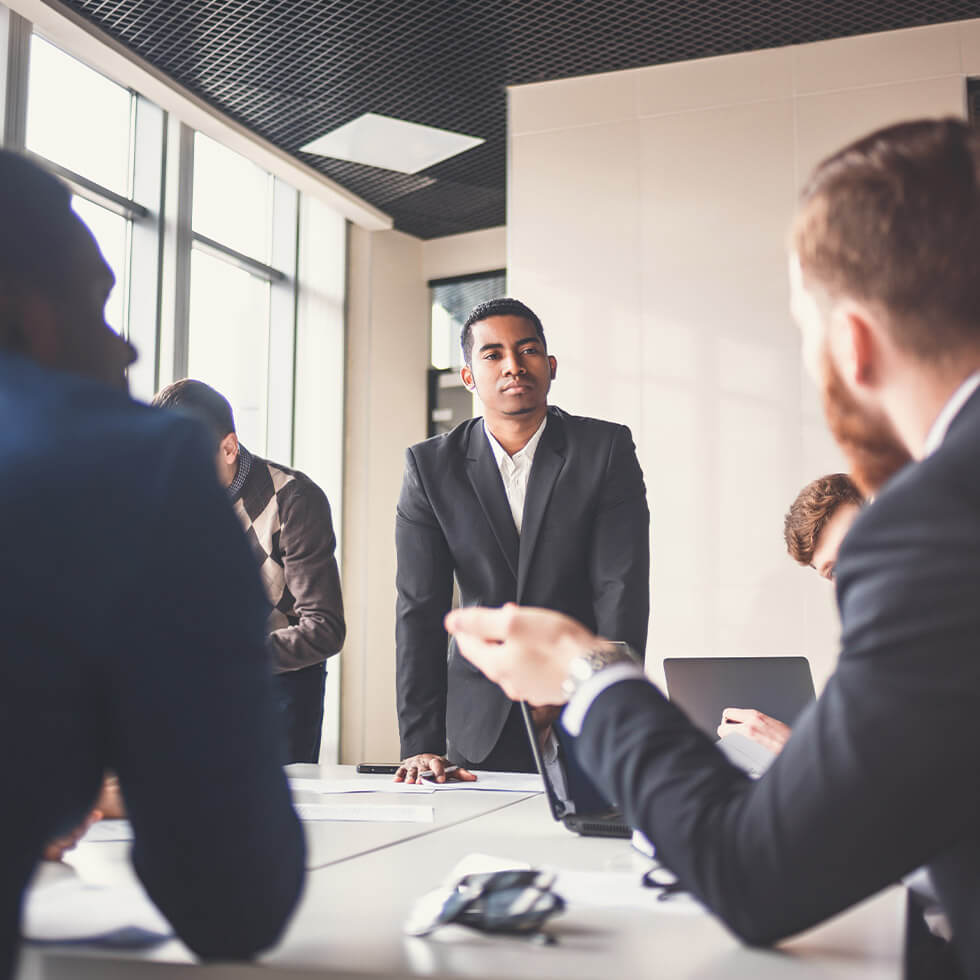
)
(364, 879)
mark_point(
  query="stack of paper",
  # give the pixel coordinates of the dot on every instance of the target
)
(495, 782)
(372, 814)
(358, 785)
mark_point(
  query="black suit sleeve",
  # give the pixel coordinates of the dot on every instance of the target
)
(192, 728)
(424, 581)
(619, 564)
(879, 775)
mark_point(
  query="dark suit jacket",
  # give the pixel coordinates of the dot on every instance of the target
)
(881, 774)
(134, 639)
(583, 550)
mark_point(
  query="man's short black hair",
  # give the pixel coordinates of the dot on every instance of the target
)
(199, 400)
(504, 306)
(38, 232)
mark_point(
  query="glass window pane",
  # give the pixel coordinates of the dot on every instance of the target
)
(452, 303)
(110, 231)
(232, 199)
(229, 341)
(77, 117)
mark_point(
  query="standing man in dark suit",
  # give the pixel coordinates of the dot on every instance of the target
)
(880, 774)
(527, 504)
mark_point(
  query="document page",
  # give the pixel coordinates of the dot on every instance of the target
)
(367, 814)
(359, 784)
(495, 782)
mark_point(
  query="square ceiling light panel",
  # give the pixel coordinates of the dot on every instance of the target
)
(394, 144)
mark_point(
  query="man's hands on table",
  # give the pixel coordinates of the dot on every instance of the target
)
(433, 766)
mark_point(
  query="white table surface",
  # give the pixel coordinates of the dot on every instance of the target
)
(349, 921)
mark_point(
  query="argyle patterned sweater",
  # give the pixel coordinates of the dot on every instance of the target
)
(286, 518)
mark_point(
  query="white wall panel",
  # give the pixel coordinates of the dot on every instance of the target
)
(652, 244)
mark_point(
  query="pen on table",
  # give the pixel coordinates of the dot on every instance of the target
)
(429, 772)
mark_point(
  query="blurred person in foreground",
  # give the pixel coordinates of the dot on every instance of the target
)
(119, 653)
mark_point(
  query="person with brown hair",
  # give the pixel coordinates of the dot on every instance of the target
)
(880, 774)
(814, 529)
(818, 519)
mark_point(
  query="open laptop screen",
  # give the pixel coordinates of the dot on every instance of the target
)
(780, 687)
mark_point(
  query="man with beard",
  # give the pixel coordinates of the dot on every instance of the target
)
(880, 773)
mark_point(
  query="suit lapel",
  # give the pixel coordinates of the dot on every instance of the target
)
(548, 462)
(488, 486)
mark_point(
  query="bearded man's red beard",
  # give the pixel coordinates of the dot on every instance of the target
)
(867, 438)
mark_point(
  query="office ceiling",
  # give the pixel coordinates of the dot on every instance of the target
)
(292, 70)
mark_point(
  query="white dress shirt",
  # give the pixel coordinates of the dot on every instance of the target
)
(937, 433)
(515, 470)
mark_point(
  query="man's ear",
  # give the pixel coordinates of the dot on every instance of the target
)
(553, 361)
(466, 373)
(857, 346)
(228, 447)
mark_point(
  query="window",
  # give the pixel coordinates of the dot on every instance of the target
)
(242, 295)
(973, 100)
(229, 340)
(84, 128)
(232, 199)
(78, 118)
(217, 276)
(452, 301)
(111, 232)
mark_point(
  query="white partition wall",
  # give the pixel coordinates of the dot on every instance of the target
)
(387, 358)
(647, 218)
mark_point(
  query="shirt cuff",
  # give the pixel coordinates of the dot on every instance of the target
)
(573, 717)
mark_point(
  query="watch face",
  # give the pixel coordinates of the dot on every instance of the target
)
(589, 664)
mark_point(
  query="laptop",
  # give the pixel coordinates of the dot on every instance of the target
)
(607, 823)
(703, 687)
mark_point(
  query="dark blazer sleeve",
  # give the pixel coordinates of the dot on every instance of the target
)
(879, 776)
(424, 581)
(619, 563)
(308, 546)
(191, 724)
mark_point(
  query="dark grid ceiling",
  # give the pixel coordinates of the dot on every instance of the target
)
(291, 70)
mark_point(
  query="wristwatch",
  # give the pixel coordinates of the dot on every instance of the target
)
(591, 663)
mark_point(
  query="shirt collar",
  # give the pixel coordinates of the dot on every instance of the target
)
(950, 410)
(526, 453)
(241, 474)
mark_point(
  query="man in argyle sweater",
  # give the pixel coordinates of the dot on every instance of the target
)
(286, 518)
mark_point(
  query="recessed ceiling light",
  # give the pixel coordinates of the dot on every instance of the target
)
(380, 141)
